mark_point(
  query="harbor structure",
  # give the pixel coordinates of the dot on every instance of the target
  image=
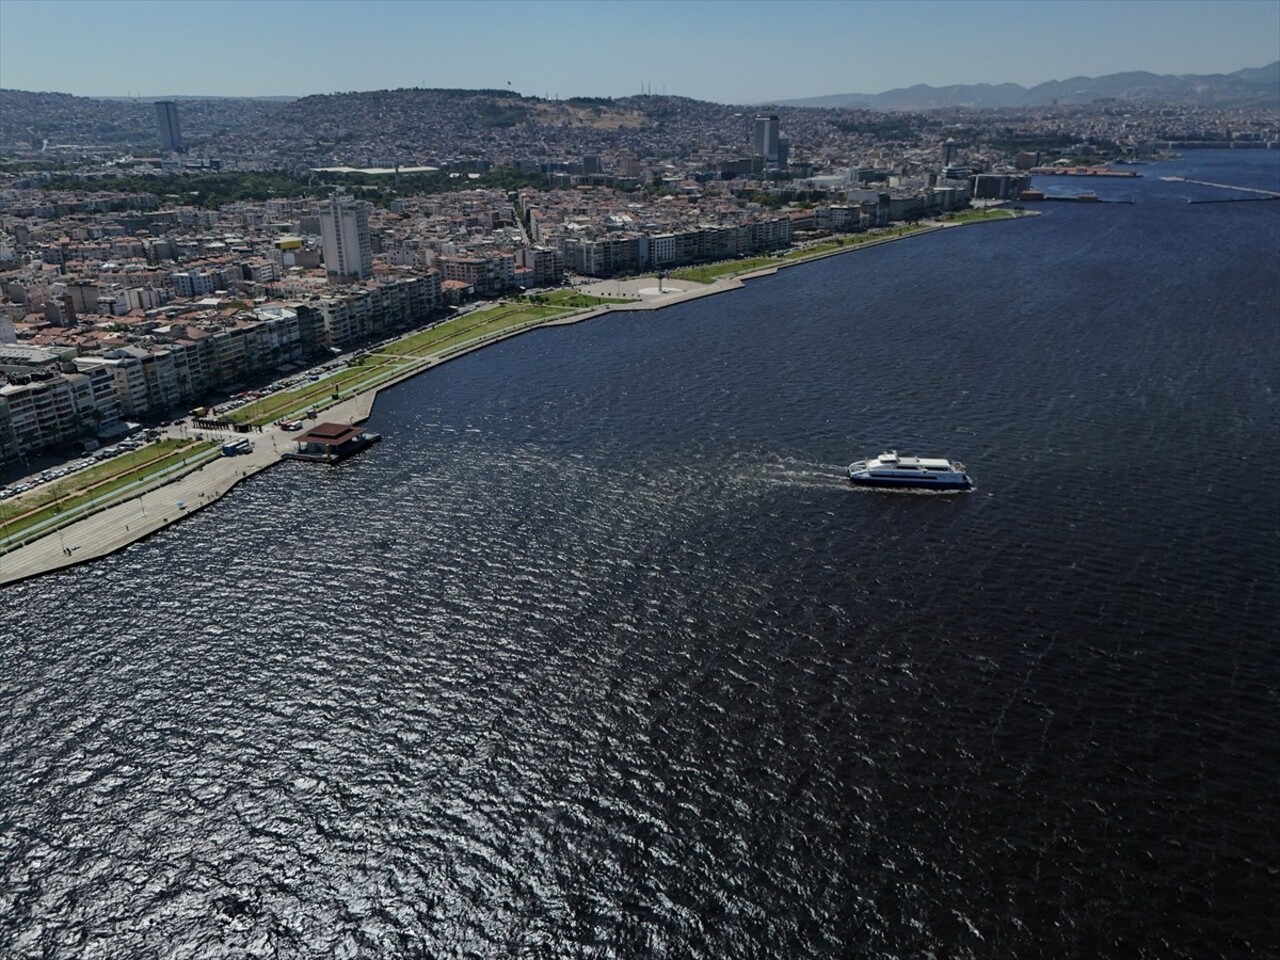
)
(1070, 171)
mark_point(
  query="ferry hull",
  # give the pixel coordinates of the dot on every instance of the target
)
(921, 484)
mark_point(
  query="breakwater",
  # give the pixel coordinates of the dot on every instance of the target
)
(1223, 186)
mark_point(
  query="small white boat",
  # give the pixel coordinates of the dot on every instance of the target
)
(891, 470)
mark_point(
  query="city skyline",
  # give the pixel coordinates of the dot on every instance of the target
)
(726, 53)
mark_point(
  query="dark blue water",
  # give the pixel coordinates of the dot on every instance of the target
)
(598, 656)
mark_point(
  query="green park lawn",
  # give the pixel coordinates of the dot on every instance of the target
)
(972, 216)
(65, 495)
(715, 271)
(471, 326)
(369, 370)
(572, 298)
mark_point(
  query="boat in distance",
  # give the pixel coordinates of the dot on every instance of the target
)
(891, 470)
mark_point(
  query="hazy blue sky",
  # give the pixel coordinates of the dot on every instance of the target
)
(736, 51)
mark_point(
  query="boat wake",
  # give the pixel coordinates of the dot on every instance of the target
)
(790, 472)
(800, 474)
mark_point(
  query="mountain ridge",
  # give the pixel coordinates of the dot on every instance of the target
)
(1249, 87)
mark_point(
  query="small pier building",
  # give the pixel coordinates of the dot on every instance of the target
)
(331, 442)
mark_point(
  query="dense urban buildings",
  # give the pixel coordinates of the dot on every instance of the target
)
(130, 291)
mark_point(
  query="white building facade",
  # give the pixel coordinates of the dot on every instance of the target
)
(344, 235)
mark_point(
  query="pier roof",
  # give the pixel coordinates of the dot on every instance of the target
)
(330, 434)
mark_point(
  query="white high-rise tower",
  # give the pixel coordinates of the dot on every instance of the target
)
(344, 232)
(765, 138)
(170, 132)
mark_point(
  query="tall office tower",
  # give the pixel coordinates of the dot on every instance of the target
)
(344, 233)
(766, 137)
(949, 150)
(170, 132)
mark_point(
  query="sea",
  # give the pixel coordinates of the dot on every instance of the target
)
(599, 655)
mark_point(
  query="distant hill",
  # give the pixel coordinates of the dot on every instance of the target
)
(414, 126)
(417, 126)
(1251, 87)
(28, 119)
(187, 96)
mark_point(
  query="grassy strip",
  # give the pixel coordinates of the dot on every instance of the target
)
(971, 216)
(415, 346)
(107, 469)
(571, 298)
(373, 377)
(272, 408)
(717, 271)
(466, 327)
(67, 501)
(504, 320)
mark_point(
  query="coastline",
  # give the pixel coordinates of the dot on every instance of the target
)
(171, 500)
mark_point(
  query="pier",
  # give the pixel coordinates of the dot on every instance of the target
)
(1083, 172)
(331, 442)
(1238, 199)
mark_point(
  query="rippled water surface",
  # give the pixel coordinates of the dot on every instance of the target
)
(596, 655)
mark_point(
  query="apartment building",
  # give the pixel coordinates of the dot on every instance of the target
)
(344, 234)
(193, 283)
(545, 265)
(10, 451)
(488, 275)
(372, 310)
(50, 410)
(614, 254)
(128, 381)
(606, 256)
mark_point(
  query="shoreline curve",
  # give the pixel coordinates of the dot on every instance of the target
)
(174, 499)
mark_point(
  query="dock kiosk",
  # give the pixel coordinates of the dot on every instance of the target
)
(331, 442)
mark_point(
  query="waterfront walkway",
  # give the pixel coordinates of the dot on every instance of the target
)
(164, 501)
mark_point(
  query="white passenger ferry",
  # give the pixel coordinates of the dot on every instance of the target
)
(891, 470)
